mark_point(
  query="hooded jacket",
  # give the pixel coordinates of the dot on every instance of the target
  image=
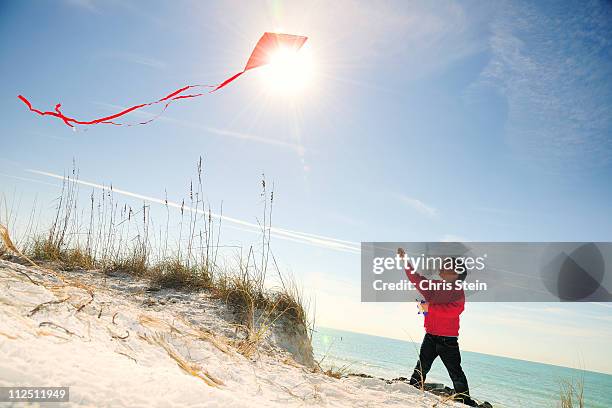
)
(444, 306)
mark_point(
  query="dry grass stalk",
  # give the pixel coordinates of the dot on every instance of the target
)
(190, 368)
(205, 335)
(290, 361)
(51, 302)
(117, 336)
(209, 337)
(158, 324)
(8, 336)
(89, 291)
(127, 355)
(57, 326)
(337, 372)
(257, 329)
(571, 394)
(6, 239)
(451, 398)
(153, 322)
(52, 334)
(8, 243)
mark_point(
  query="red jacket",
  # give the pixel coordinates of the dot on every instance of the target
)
(445, 306)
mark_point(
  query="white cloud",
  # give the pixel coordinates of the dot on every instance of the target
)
(135, 58)
(553, 70)
(453, 238)
(418, 205)
(84, 4)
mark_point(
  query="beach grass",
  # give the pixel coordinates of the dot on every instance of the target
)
(110, 237)
(571, 393)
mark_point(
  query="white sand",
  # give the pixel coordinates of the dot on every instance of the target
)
(119, 364)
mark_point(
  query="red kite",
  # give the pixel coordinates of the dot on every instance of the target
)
(267, 45)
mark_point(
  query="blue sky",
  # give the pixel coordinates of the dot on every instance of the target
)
(475, 121)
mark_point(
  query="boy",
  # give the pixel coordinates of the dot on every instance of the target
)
(442, 309)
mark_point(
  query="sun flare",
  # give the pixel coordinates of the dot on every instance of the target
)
(289, 71)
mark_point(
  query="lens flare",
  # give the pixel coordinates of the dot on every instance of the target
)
(289, 71)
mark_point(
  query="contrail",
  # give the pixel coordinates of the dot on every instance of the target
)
(289, 235)
(221, 132)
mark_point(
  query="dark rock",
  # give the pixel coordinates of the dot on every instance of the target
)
(149, 302)
(360, 375)
(435, 388)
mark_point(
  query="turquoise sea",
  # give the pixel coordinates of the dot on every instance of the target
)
(505, 382)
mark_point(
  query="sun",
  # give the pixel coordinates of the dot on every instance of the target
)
(289, 71)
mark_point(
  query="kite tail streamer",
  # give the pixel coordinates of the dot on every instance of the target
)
(174, 96)
(69, 121)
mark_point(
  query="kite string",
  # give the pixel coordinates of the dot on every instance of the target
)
(160, 113)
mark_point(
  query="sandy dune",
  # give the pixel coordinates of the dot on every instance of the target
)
(129, 347)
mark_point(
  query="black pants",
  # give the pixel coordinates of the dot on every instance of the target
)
(448, 350)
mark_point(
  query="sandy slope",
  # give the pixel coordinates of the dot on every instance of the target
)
(117, 350)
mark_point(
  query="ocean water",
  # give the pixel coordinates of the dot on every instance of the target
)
(504, 382)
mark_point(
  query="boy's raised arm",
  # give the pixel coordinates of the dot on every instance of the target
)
(414, 277)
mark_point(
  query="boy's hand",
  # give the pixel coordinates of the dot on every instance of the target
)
(401, 253)
(423, 307)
